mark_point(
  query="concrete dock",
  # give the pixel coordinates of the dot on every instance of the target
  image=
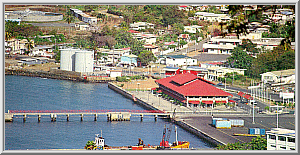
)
(199, 120)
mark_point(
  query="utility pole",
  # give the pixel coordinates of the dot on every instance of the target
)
(113, 55)
(253, 113)
(232, 78)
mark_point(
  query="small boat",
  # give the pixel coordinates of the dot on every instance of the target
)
(164, 144)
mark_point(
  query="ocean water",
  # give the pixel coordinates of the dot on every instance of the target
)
(32, 93)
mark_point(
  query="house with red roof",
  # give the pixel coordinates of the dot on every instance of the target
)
(192, 90)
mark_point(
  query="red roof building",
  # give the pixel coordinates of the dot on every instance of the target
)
(190, 89)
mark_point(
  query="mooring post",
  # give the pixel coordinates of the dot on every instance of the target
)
(24, 118)
(141, 117)
(68, 117)
(81, 117)
(108, 117)
(155, 117)
(95, 117)
(39, 118)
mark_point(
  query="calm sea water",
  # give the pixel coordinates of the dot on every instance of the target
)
(30, 93)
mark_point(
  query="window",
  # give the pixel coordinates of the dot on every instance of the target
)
(272, 137)
(282, 138)
(291, 139)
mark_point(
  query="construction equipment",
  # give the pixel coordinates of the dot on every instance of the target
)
(166, 135)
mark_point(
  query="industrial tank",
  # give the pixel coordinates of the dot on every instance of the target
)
(84, 61)
(67, 59)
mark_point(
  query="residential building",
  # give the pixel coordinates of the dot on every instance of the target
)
(43, 50)
(148, 38)
(282, 76)
(215, 72)
(180, 60)
(141, 25)
(17, 46)
(211, 17)
(267, 43)
(198, 71)
(129, 60)
(221, 45)
(84, 17)
(192, 28)
(224, 45)
(191, 90)
(152, 48)
(281, 139)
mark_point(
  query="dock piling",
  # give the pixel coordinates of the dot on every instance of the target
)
(141, 117)
(95, 117)
(68, 117)
(81, 117)
(108, 117)
(155, 118)
(39, 118)
(24, 118)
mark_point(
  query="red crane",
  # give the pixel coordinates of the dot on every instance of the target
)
(166, 135)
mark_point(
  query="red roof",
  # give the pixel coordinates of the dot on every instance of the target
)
(241, 94)
(247, 96)
(220, 101)
(133, 31)
(184, 78)
(195, 88)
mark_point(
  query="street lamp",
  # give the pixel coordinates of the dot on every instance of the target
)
(253, 122)
(138, 86)
(159, 98)
(171, 104)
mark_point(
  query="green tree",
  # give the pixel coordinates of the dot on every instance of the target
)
(146, 57)
(239, 59)
(258, 143)
(90, 145)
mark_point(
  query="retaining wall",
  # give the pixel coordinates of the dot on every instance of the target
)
(182, 124)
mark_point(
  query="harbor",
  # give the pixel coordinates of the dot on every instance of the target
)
(199, 121)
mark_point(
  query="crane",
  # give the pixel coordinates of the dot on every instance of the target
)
(166, 135)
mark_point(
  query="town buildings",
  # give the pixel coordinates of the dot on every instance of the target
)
(281, 139)
(281, 76)
(189, 89)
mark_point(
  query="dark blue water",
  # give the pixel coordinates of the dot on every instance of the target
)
(28, 93)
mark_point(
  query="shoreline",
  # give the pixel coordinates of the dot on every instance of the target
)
(204, 136)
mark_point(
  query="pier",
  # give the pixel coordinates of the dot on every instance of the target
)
(112, 115)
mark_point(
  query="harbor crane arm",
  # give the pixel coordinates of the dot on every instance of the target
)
(170, 126)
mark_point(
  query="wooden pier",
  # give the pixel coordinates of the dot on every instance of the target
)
(112, 115)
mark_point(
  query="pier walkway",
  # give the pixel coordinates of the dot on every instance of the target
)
(112, 115)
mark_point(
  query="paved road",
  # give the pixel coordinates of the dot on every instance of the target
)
(203, 123)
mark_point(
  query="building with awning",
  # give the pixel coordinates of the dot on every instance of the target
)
(192, 90)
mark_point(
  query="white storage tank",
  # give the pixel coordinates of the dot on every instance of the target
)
(84, 61)
(67, 59)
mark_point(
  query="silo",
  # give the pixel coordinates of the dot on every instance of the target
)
(84, 61)
(67, 59)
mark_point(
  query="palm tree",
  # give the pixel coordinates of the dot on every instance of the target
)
(69, 18)
(29, 45)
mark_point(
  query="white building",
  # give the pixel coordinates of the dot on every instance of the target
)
(220, 45)
(282, 76)
(280, 139)
(192, 28)
(211, 17)
(141, 25)
(224, 45)
(180, 60)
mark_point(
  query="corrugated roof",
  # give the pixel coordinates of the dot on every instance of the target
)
(197, 87)
(184, 78)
